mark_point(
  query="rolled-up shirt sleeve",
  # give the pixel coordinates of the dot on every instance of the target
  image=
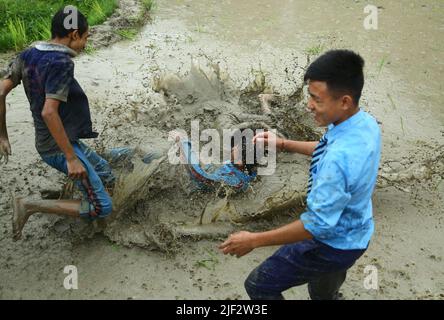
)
(59, 79)
(326, 201)
(14, 71)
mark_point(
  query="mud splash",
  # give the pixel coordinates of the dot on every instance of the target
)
(257, 43)
(156, 206)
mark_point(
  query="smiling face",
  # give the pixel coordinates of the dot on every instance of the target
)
(327, 107)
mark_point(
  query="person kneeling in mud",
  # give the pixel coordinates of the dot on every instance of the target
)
(236, 173)
(62, 117)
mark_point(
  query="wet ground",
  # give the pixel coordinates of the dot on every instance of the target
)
(256, 46)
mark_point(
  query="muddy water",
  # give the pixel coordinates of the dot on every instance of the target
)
(253, 45)
(257, 46)
(404, 56)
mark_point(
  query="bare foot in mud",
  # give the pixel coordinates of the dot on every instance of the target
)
(265, 100)
(19, 218)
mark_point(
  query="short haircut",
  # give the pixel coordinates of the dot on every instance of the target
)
(342, 70)
(58, 29)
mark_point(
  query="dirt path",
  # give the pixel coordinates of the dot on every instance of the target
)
(253, 44)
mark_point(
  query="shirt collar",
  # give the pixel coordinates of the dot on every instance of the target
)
(350, 122)
(48, 46)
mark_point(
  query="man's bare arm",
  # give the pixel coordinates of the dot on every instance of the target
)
(5, 148)
(302, 147)
(290, 233)
(243, 242)
(5, 87)
(50, 115)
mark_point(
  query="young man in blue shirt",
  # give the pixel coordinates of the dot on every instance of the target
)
(337, 226)
(61, 114)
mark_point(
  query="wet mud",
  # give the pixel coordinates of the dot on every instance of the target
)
(191, 63)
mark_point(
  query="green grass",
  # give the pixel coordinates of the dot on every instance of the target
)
(44, 29)
(382, 63)
(149, 5)
(128, 34)
(90, 50)
(208, 263)
(23, 22)
(315, 50)
(17, 31)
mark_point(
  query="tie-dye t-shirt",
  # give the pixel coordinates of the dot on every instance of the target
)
(47, 71)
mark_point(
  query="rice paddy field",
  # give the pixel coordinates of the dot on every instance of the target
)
(25, 21)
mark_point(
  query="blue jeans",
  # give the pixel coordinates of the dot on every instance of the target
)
(324, 269)
(96, 202)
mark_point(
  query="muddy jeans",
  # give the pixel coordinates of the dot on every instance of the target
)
(324, 269)
(96, 202)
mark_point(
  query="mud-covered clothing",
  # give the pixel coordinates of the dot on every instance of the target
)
(206, 177)
(324, 269)
(47, 71)
(96, 202)
(344, 172)
(339, 215)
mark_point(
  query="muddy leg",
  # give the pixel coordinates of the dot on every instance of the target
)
(24, 208)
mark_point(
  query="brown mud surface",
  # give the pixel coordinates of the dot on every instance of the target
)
(208, 62)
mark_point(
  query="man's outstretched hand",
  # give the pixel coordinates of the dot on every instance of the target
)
(5, 149)
(267, 137)
(239, 244)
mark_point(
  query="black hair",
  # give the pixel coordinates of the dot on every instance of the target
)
(58, 29)
(342, 70)
(250, 168)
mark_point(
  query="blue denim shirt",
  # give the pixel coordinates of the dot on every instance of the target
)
(339, 206)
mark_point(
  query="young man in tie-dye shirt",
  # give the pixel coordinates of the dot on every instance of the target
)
(61, 115)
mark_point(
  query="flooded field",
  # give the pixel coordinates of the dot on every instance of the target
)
(208, 61)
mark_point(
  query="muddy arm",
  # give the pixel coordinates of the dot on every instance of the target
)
(301, 147)
(5, 148)
(5, 87)
(243, 242)
(50, 115)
